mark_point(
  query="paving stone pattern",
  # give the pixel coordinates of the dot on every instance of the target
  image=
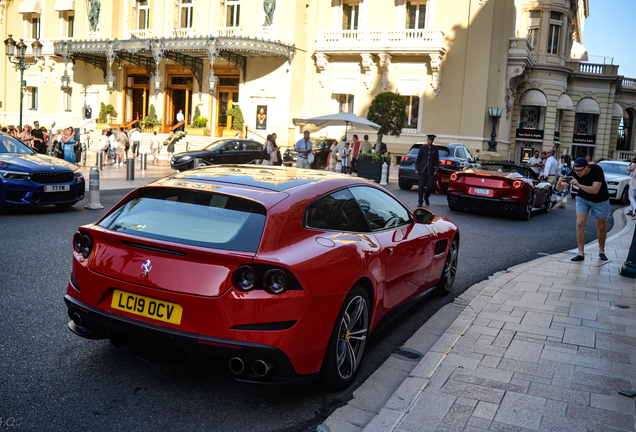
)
(545, 349)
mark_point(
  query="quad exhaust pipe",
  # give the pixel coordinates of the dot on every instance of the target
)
(236, 365)
(260, 368)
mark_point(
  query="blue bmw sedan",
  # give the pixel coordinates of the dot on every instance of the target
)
(27, 177)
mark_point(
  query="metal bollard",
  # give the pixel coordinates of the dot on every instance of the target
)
(99, 160)
(339, 167)
(144, 161)
(93, 190)
(385, 174)
(187, 146)
(130, 169)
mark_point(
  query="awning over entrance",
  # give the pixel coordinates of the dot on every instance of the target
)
(534, 98)
(565, 103)
(188, 52)
(30, 6)
(64, 5)
(617, 112)
(588, 106)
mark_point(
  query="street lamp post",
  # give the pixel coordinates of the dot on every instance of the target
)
(494, 114)
(10, 48)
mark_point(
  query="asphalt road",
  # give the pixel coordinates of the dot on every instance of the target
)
(51, 379)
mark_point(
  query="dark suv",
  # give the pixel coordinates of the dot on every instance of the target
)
(452, 157)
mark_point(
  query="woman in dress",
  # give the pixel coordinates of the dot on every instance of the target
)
(68, 141)
(632, 188)
(562, 197)
(268, 149)
(171, 145)
(120, 149)
(25, 136)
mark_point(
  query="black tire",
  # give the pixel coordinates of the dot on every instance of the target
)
(455, 207)
(625, 195)
(343, 357)
(447, 279)
(405, 185)
(527, 211)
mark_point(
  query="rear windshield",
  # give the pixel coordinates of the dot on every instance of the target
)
(443, 151)
(190, 217)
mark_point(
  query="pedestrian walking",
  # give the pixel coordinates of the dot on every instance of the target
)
(267, 151)
(536, 163)
(37, 136)
(346, 158)
(136, 137)
(593, 197)
(171, 142)
(155, 144)
(68, 144)
(426, 165)
(632, 188)
(565, 170)
(303, 147)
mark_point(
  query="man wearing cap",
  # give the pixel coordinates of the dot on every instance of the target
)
(426, 165)
(593, 196)
(303, 147)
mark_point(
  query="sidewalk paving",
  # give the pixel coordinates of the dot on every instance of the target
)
(542, 346)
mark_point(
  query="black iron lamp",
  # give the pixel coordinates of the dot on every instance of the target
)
(212, 81)
(495, 114)
(18, 59)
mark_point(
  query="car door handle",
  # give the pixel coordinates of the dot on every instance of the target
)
(389, 251)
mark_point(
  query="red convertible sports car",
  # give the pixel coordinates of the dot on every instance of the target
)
(503, 188)
(282, 273)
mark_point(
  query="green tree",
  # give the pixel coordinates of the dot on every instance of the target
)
(197, 113)
(151, 119)
(238, 122)
(388, 109)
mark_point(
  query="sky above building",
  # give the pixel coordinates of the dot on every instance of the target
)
(609, 32)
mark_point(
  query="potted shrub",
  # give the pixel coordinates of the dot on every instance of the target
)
(238, 122)
(151, 122)
(387, 109)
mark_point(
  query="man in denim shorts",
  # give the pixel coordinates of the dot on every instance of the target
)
(593, 196)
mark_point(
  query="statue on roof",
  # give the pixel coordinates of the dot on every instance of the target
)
(93, 15)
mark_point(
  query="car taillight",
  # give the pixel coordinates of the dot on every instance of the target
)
(517, 184)
(244, 278)
(454, 176)
(77, 242)
(446, 162)
(86, 245)
(276, 281)
(405, 158)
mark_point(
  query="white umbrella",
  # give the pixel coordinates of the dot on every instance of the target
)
(338, 119)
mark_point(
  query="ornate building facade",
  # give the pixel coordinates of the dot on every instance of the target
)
(283, 61)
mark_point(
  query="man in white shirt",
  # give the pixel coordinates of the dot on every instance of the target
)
(551, 167)
(135, 137)
(180, 118)
(536, 163)
(304, 148)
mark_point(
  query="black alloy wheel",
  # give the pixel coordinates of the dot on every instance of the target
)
(527, 211)
(445, 283)
(348, 340)
(625, 195)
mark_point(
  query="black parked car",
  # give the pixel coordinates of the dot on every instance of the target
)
(321, 148)
(452, 157)
(225, 151)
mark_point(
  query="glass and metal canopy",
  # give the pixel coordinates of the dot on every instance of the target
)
(188, 52)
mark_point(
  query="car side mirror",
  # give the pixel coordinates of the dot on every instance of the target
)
(423, 216)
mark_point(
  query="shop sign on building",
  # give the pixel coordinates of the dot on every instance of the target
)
(529, 134)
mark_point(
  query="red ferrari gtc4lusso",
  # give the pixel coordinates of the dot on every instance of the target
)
(502, 188)
(281, 273)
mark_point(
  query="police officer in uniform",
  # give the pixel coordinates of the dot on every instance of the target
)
(426, 165)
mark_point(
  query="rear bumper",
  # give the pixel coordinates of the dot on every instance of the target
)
(485, 204)
(158, 343)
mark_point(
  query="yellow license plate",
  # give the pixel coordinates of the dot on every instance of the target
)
(146, 306)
